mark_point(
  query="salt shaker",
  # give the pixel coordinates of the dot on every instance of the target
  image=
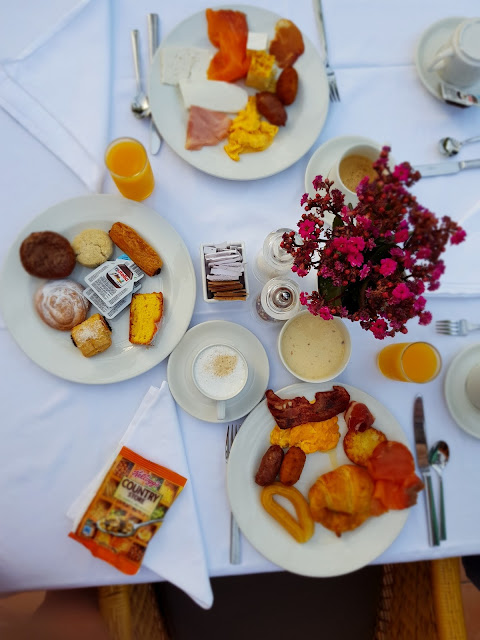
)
(278, 301)
(272, 260)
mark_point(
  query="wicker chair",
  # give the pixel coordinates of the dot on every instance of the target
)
(419, 601)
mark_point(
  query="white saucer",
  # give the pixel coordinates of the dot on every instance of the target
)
(430, 42)
(324, 157)
(465, 414)
(179, 370)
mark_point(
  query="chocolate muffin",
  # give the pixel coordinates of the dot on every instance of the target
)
(46, 254)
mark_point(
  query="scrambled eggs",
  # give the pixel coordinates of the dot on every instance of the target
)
(309, 437)
(248, 133)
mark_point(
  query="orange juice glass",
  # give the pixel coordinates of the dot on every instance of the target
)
(128, 163)
(410, 362)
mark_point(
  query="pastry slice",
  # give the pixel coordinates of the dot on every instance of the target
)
(146, 310)
(92, 336)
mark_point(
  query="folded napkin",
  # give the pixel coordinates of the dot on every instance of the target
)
(176, 552)
(59, 86)
(462, 262)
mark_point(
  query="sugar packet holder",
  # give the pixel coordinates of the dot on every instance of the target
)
(114, 280)
(223, 269)
(127, 510)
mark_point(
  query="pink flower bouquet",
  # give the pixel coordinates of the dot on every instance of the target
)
(377, 259)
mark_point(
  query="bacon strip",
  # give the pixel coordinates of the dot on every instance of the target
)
(291, 412)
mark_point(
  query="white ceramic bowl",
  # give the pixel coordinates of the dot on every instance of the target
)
(332, 374)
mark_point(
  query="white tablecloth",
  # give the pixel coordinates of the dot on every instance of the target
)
(56, 434)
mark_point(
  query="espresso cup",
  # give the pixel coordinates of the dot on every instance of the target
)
(354, 163)
(458, 60)
(219, 372)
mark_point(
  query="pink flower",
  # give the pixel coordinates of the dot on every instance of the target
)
(325, 313)
(458, 236)
(364, 271)
(317, 182)
(425, 317)
(419, 303)
(388, 266)
(401, 292)
(303, 298)
(424, 253)
(355, 259)
(379, 329)
(304, 199)
(306, 229)
(401, 171)
(401, 236)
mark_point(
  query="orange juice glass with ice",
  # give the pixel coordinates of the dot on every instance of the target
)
(128, 163)
(410, 362)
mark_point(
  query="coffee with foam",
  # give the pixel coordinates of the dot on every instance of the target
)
(220, 372)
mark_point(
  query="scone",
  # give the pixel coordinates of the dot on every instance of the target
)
(46, 254)
(61, 304)
(146, 310)
(92, 336)
(92, 247)
(136, 248)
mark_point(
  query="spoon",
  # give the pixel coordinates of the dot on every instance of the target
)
(132, 528)
(438, 457)
(140, 105)
(450, 146)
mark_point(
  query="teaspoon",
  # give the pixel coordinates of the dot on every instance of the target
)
(438, 457)
(140, 105)
(450, 146)
(103, 525)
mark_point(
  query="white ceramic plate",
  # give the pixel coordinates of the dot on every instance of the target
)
(306, 116)
(430, 42)
(179, 370)
(53, 350)
(465, 414)
(324, 554)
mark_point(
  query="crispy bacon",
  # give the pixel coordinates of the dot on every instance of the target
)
(291, 412)
(358, 416)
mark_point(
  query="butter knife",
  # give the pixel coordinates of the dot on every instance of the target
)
(153, 39)
(421, 449)
(445, 168)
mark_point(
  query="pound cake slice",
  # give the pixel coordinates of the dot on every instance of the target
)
(146, 310)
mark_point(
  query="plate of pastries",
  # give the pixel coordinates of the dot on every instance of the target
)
(320, 478)
(98, 289)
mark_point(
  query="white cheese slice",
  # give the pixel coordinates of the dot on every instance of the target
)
(257, 41)
(182, 63)
(213, 94)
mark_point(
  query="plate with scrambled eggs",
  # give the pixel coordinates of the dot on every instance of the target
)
(324, 554)
(254, 148)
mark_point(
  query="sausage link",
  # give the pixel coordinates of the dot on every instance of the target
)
(269, 466)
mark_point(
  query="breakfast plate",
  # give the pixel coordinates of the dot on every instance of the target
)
(179, 370)
(430, 42)
(465, 414)
(306, 116)
(324, 554)
(53, 350)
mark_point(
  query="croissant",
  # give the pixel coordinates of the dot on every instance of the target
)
(340, 500)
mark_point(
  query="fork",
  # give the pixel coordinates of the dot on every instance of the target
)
(232, 431)
(455, 327)
(332, 81)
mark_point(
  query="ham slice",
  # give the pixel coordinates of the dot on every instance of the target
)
(358, 416)
(206, 128)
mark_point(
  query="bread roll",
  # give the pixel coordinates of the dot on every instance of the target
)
(61, 304)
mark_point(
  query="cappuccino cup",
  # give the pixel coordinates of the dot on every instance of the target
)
(351, 167)
(458, 60)
(220, 372)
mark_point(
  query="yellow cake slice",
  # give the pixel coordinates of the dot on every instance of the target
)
(146, 310)
(261, 72)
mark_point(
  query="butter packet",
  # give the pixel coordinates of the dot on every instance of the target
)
(127, 510)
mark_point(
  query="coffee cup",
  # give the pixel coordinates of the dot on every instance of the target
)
(472, 386)
(219, 372)
(354, 163)
(458, 60)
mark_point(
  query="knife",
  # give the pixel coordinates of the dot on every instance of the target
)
(424, 466)
(444, 168)
(155, 138)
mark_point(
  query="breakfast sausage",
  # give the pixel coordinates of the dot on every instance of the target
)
(269, 466)
(271, 108)
(292, 466)
(287, 85)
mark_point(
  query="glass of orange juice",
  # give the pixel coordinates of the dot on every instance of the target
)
(128, 163)
(410, 362)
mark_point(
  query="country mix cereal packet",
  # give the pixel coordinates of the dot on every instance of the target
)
(134, 491)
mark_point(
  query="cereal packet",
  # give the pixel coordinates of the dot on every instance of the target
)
(134, 491)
